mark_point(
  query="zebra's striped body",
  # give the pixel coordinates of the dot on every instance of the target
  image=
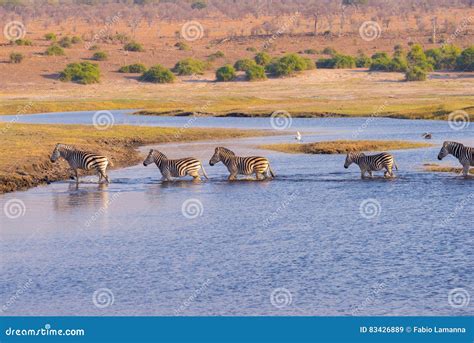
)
(242, 165)
(464, 154)
(79, 159)
(369, 164)
(175, 168)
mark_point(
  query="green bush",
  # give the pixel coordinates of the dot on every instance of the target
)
(262, 58)
(398, 64)
(189, 66)
(244, 64)
(121, 37)
(100, 56)
(225, 73)
(337, 62)
(16, 57)
(215, 56)
(158, 74)
(83, 73)
(465, 61)
(94, 47)
(363, 61)
(380, 62)
(50, 36)
(198, 5)
(136, 68)
(255, 73)
(329, 51)
(182, 46)
(65, 42)
(252, 49)
(133, 46)
(416, 57)
(25, 42)
(443, 58)
(287, 65)
(310, 52)
(415, 73)
(54, 50)
(76, 39)
(310, 64)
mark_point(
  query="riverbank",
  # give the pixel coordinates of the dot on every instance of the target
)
(433, 167)
(343, 146)
(25, 148)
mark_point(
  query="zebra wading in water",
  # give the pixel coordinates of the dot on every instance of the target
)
(79, 159)
(175, 168)
(371, 163)
(242, 165)
(464, 154)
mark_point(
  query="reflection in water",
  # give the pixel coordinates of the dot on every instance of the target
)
(81, 196)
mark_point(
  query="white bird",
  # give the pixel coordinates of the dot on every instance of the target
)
(298, 136)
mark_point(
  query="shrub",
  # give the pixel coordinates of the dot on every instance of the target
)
(255, 73)
(16, 57)
(398, 64)
(198, 5)
(216, 55)
(380, 62)
(136, 68)
(363, 61)
(94, 47)
(54, 50)
(83, 73)
(415, 73)
(244, 64)
(189, 66)
(287, 65)
(50, 36)
(133, 46)
(225, 73)
(100, 56)
(310, 52)
(76, 39)
(465, 61)
(25, 42)
(262, 58)
(158, 74)
(337, 62)
(252, 49)
(443, 58)
(416, 57)
(182, 46)
(329, 51)
(121, 37)
(310, 64)
(65, 42)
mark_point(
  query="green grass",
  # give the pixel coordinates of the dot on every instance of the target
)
(430, 167)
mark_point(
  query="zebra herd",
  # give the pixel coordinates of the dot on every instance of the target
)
(237, 165)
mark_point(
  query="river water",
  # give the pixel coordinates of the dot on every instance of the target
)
(316, 240)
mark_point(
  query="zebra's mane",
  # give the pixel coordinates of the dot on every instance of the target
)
(222, 149)
(451, 143)
(159, 153)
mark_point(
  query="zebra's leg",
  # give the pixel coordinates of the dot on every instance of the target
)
(465, 170)
(77, 177)
(371, 174)
(195, 175)
(232, 177)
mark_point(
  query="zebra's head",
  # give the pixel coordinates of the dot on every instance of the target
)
(154, 156)
(444, 150)
(219, 154)
(351, 157)
(56, 153)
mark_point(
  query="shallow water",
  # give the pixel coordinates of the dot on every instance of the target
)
(296, 245)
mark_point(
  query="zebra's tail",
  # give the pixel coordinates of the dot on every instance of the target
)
(204, 172)
(110, 163)
(271, 171)
(395, 165)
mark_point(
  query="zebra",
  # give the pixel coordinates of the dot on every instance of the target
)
(368, 164)
(242, 165)
(464, 154)
(175, 168)
(79, 159)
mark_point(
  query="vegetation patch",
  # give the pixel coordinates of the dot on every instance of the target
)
(54, 50)
(255, 73)
(133, 46)
(136, 68)
(158, 74)
(189, 66)
(225, 73)
(83, 73)
(244, 64)
(16, 57)
(343, 146)
(433, 167)
(100, 56)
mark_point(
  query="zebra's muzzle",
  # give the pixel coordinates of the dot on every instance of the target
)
(439, 158)
(145, 164)
(211, 164)
(346, 167)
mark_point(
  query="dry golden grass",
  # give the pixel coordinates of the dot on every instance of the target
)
(343, 146)
(432, 167)
(25, 148)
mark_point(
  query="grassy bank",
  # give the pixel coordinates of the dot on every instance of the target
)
(25, 148)
(444, 169)
(343, 146)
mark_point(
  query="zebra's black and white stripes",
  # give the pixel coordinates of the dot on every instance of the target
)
(464, 154)
(79, 159)
(175, 168)
(260, 166)
(371, 163)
